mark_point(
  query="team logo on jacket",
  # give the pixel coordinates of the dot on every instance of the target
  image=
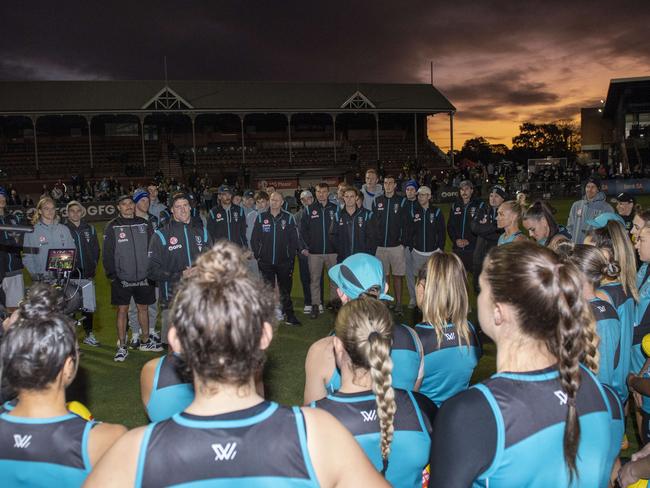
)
(579, 212)
(235, 216)
(122, 235)
(173, 241)
(416, 217)
(199, 242)
(360, 219)
(472, 211)
(431, 217)
(396, 208)
(331, 214)
(457, 211)
(42, 239)
(380, 206)
(283, 224)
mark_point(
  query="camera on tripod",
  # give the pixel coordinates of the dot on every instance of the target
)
(78, 294)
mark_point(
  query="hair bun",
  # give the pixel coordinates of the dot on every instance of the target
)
(41, 300)
(226, 261)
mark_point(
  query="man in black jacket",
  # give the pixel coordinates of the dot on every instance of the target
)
(484, 225)
(315, 231)
(459, 225)
(84, 236)
(274, 243)
(172, 252)
(126, 247)
(351, 228)
(426, 230)
(227, 220)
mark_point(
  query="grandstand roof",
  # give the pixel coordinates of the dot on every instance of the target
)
(634, 92)
(39, 97)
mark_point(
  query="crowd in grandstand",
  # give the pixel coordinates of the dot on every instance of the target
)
(566, 306)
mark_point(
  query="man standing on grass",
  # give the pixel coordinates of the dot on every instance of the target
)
(227, 220)
(459, 225)
(387, 228)
(350, 231)
(371, 189)
(172, 253)
(126, 247)
(409, 203)
(315, 231)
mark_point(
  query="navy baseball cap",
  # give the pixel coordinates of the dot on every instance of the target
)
(359, 273)
(124, 197)
(225, 189)
(601, 221)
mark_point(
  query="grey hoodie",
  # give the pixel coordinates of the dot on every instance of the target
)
(369, 196)
(38, 243)
(584, 210)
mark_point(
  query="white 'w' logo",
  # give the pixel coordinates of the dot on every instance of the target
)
(369, 416)
(225, 453)
(22, 441)
(450, 336)
(562, 396)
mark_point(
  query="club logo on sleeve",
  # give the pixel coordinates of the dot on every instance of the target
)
(225, 452)
(563, 397)
(22, 441)
(369, 416)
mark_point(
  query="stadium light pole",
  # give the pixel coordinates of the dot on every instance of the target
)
(141, 118)
(90, 143)
(415, 134)
(193, 118)
(288, 116)
(377, 133)
(451, 137)
(33, 118)
(243, 142)
(333, 115)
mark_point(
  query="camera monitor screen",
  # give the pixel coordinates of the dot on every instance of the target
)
(60, 259)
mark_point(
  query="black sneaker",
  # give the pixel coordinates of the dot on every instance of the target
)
(292, 321)
(135, 342)
(314, 312)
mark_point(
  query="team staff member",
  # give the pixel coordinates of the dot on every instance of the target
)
(172, 252)
(371, 189)
(274, 243)
(625, 204)
(142, 201)
(315, 232)
(351, 227)
(387, 226)
(484, 225)
(85, 239)
(409, 203)
(41, 442)
(126, 245)
(425, 229)
(223, 324)
(261, 205)
(591, 206)
(459, 225)
(392, 426)
(227, 220)
(48, 234)
(543, 419)
(306, 199)
(11, 244)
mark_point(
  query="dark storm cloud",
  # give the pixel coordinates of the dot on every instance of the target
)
(489, 57)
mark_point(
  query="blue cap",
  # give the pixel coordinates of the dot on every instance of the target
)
(601, 221)
(359, 273)
(3, 192)
(412, 183)
(139, 194)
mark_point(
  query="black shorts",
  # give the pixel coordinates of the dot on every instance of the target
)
(142, 292)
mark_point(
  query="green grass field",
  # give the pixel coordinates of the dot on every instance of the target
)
(112, 392)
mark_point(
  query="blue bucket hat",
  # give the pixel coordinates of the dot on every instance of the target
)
(139, 194)
(359, 273)
(601, 221)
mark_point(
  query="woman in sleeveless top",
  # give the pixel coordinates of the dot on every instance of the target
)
(229, 435)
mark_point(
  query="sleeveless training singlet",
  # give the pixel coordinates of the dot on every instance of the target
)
(170, 394)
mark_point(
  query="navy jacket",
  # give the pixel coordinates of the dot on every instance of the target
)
(275, 239)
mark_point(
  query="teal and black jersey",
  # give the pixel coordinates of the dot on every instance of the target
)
(642, 318)
(508, 432)
(409, 451)
(503, 239)
(170, 393)
(44, 452)
(626, 310)
(448, 364)
(406, 354)
(608, 327)
(265, 445)
(9, 405)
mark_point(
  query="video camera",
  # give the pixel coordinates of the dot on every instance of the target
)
(60, 265)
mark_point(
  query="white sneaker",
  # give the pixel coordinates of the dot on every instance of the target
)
(307, 309)
(121, 354)
(91, 340)
(321, 309)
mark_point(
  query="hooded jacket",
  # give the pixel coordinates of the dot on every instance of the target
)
(11, 243)
(584, 210)
(38, 243)
(85, 239)
(126, 246)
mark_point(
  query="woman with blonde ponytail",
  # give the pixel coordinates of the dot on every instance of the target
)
(392, 426)
(449, 342)
(543, 419)
(229, 435)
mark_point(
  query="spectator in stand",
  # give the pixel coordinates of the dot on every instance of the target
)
(13, 200)
(87, 245)
(28, 202)
(459, 225)
(484, 225)
(227, 220)
(11, 243)
(315, 232)
(274, 242)
(591, 206)
(387, 229)
(351, 228)
(371, 189)
(410, 202)
(126, 247)
(625, 207)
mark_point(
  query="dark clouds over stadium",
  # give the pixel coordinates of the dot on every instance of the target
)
(499, 62)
